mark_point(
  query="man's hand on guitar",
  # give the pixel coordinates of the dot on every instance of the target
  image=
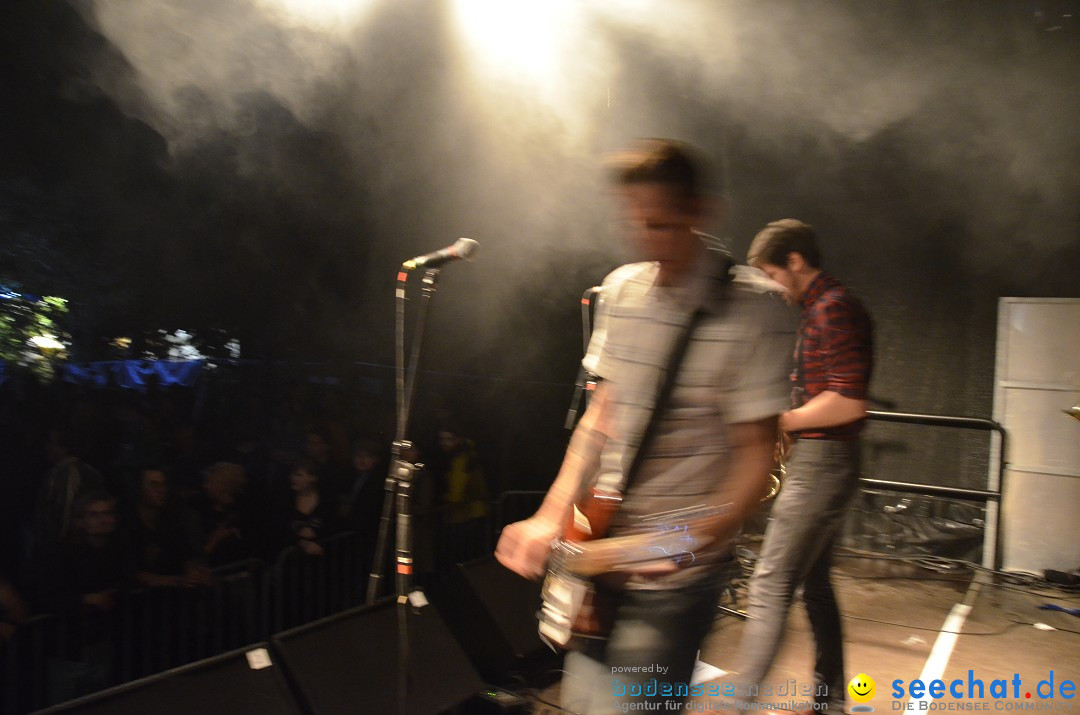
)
(649, 554)
(524, 545)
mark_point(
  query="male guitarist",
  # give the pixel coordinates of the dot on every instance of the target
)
(711, 444)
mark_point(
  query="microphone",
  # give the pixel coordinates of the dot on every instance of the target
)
(462, 248)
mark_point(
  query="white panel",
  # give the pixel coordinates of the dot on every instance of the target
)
(1037, 376)
(1039, 522)
(1043, 338)
(1040, 435)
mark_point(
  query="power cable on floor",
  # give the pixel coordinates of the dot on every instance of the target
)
(999, 632)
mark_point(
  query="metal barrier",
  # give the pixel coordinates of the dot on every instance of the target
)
(50, 658)
(163, 628)
(986, 495)
(22, 661)
(53, 658)
(458, 541)
(152, 630)
(305, 588)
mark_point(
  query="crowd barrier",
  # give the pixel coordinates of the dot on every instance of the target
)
(52, 658)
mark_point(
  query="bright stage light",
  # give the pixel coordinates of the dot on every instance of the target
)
(519, 39)
(324, 14)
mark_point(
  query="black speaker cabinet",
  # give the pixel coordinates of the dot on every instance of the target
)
(349, 663)
(242, 682)
(492, 611)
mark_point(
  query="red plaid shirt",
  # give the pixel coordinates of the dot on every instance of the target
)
(835, 350)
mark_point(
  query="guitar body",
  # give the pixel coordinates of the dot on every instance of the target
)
(573, 608)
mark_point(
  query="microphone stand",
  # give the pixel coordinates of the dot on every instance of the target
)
(586, 381)
(399, 482)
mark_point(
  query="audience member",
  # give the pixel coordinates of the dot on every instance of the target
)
(465, 492)
(329, 466)
(162, 535)
(66, 483)
(464, 500)
(359, 505)
(92, 564)
(80, 580)
(308, 516)
(227, 532)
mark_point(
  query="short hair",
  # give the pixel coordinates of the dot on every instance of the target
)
(660, 161)
(155, 467)
(774, 243)
(230, 474)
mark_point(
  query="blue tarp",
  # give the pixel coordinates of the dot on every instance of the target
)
(135, 374)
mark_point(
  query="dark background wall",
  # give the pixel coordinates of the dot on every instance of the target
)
(226, 165)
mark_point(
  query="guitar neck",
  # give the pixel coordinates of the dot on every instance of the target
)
(658, 539)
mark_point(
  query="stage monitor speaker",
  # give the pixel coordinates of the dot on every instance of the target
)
(348, 663)
(236, 683)
(492, 611)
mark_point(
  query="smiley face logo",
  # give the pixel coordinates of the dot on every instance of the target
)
(862, 688)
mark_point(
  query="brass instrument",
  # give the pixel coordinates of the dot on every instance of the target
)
(1073, 411)
(780, 456)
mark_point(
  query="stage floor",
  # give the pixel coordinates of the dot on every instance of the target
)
(897, 623)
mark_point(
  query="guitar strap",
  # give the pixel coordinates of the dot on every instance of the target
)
(721, 279)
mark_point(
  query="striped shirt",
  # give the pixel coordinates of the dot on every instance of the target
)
(734, 370)
(835, 351)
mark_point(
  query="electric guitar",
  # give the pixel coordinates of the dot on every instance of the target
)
(573, 608)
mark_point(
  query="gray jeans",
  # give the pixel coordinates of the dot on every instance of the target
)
(822, 477)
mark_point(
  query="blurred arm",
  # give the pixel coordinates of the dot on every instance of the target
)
(523, 546)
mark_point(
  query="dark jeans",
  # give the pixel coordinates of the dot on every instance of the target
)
(650, 654)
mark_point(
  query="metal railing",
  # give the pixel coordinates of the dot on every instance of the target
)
(50, 659)
(986, 495)
(55, 657)
(21, 659)
(515, 505)
(151, 630)
(303, 588)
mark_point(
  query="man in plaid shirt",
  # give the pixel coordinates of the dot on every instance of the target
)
(833, 362)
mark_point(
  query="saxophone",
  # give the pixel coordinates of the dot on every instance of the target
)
(779, 471)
